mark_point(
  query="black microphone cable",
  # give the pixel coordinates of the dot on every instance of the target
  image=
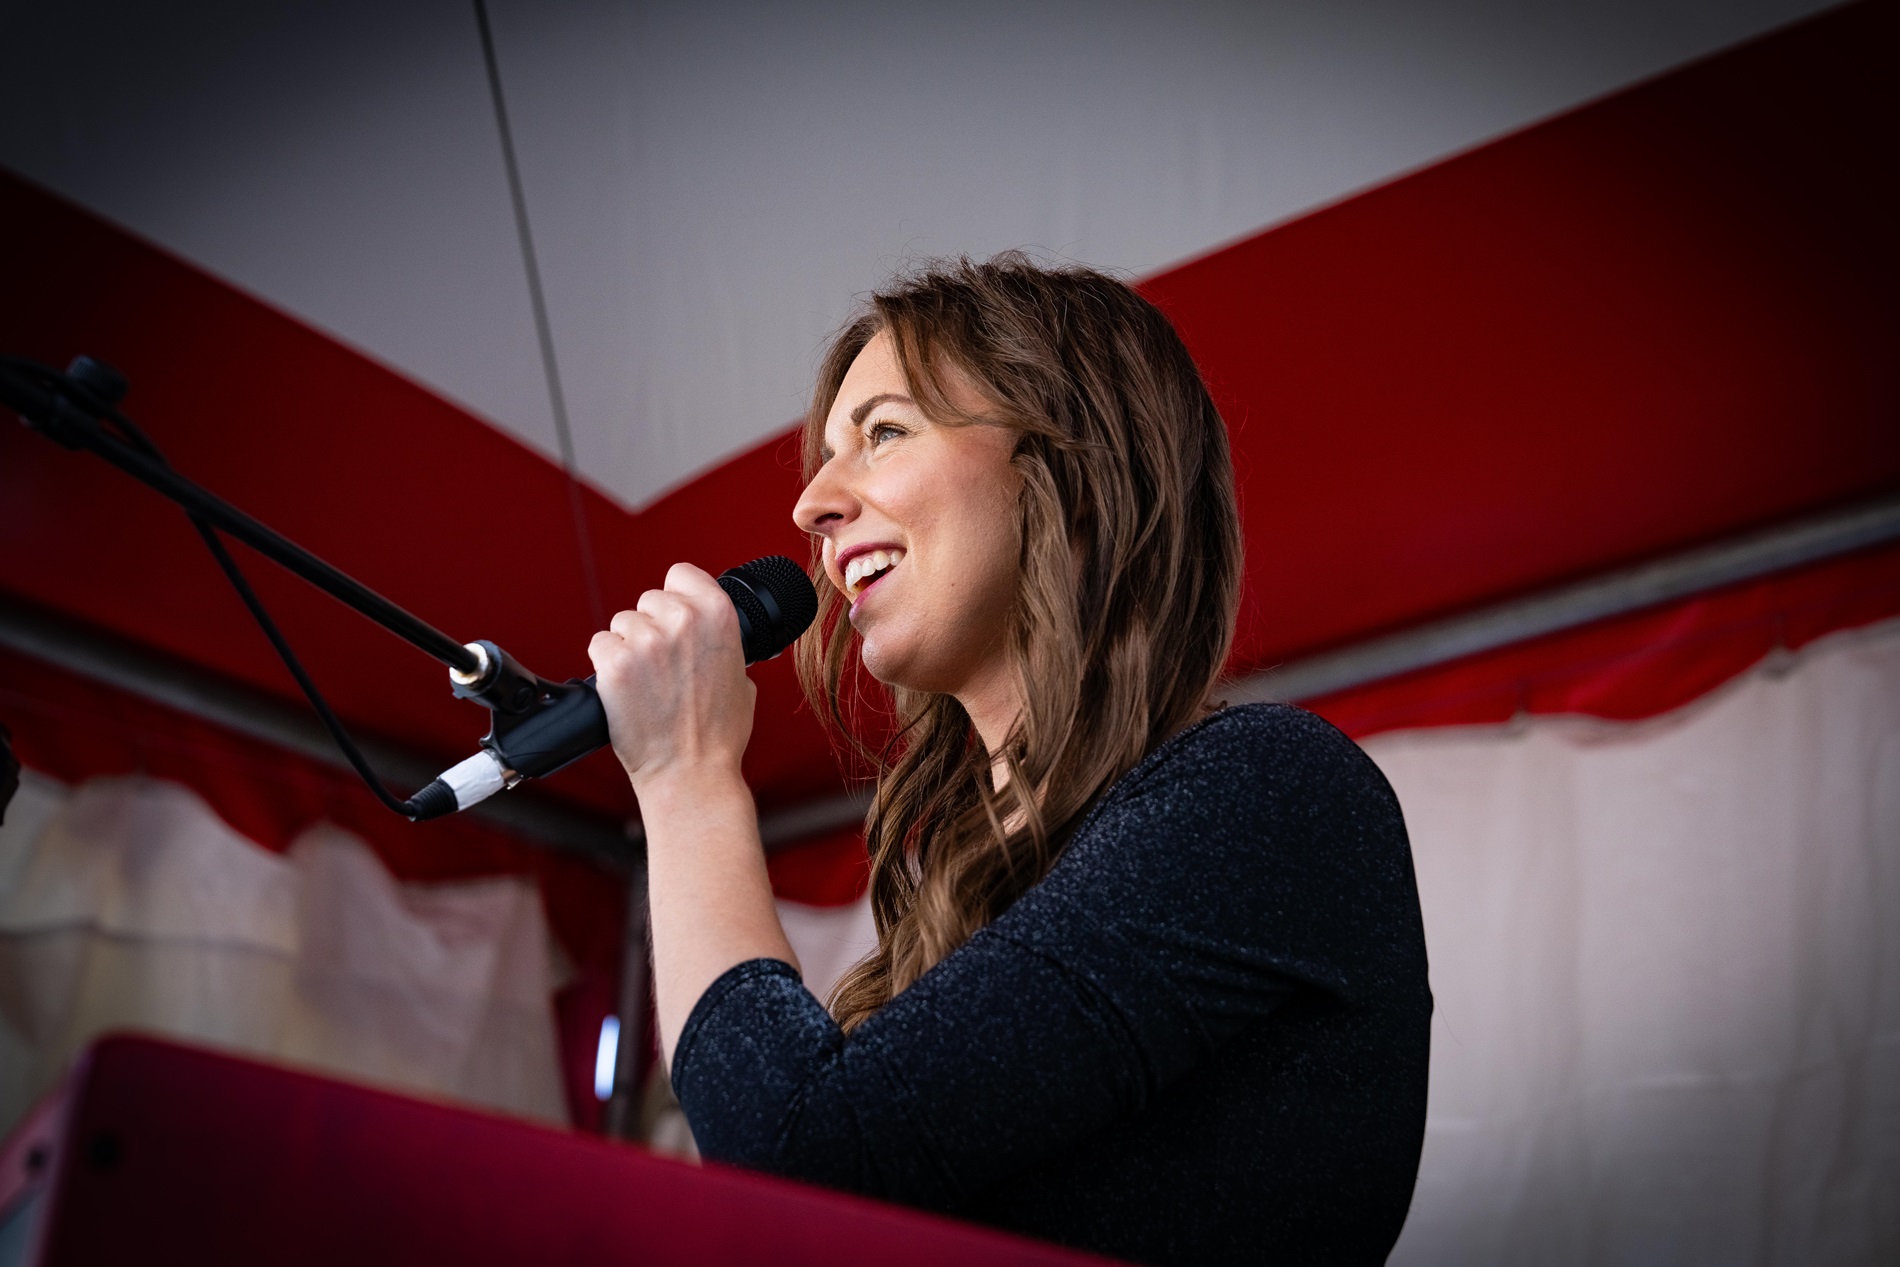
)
(130, 433)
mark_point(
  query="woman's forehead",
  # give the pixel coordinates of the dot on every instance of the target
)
(874, 371)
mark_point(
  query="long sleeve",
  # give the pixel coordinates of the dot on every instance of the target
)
(1245, 862)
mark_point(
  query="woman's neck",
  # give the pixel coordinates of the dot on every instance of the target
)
(993, 706)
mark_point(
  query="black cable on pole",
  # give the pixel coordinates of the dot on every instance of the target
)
(139, 462)
(136, 436)
(331, 722)
(133, 437)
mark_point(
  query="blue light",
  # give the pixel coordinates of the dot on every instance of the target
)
(605, 1057)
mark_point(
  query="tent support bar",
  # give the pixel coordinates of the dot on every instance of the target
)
(623, 1104)
(190, 690)
(809, 818)
(102, 657)
(1677, 576)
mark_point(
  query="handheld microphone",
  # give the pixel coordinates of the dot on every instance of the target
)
(541, 726)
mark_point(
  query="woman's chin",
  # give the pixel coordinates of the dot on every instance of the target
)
(880, 659)
(892, 659)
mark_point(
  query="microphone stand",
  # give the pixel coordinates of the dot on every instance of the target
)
(74, 409)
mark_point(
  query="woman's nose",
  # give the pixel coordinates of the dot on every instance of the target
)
(825, 504)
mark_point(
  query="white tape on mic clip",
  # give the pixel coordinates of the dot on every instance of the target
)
(475, 779)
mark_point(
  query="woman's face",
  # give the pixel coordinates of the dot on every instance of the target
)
(919, 528)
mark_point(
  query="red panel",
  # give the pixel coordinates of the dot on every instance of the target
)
(1662, 318)
(830, 870)
(448, 516)
(178, 1155)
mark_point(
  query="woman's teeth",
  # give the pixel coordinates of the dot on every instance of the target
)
(866, 568)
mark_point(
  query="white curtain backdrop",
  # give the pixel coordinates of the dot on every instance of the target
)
(1667, 974)
(127, 903)
(828, 939)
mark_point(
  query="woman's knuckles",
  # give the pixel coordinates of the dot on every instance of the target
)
(685, 577)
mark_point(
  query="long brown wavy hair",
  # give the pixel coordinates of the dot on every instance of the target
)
(1125, 607)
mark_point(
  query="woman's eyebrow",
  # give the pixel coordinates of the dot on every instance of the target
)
(882, 398)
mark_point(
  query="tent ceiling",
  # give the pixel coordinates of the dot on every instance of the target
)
(1652, 322)
(709, 185)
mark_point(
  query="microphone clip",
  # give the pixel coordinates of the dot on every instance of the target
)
(536, 726)
(498, 681)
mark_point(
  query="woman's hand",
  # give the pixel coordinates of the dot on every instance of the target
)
(671, 676)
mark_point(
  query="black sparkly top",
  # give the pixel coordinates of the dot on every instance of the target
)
(1201, 1038)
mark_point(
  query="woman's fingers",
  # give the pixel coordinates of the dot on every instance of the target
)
(671, 677)
(612, 656)
(667, 624)
(693, 584)
(698, 592)
(689, 598)
(663, 608)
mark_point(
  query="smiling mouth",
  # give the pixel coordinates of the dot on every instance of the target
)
(867, 570)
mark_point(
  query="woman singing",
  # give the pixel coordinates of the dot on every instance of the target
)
(1150, 976)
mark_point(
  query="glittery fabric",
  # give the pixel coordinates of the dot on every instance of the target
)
(1201, 1038)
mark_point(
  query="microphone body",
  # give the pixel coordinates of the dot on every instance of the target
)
(775, 603)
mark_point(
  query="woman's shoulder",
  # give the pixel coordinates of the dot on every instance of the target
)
(1258, 745)
(1261, 824)
(1246, 779)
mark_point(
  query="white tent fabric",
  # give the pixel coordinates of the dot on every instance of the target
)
(828, 939)
(708, 184)
(126, 903)
(1667, 975)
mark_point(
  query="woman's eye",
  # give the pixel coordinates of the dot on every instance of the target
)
(883, 431)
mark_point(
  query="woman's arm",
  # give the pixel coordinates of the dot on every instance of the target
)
(671, 677)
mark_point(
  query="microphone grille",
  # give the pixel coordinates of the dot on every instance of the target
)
(776, 603)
